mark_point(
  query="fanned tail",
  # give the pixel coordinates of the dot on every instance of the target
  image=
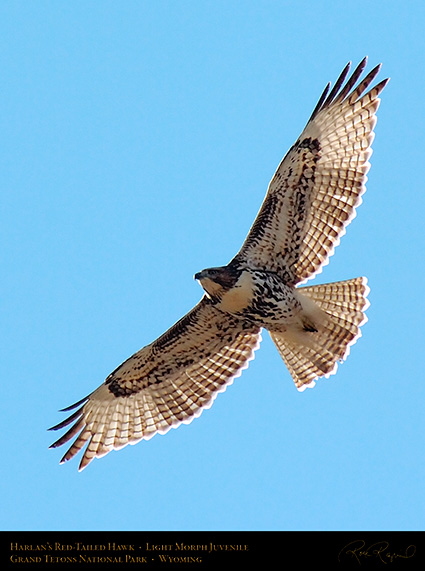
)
(336, 315)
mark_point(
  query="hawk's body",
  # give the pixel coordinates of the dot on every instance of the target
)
(311, 198)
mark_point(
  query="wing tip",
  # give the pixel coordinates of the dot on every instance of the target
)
(340, 92)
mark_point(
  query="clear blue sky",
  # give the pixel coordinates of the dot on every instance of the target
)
(137, 142)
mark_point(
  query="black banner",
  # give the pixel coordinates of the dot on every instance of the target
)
(211, 550)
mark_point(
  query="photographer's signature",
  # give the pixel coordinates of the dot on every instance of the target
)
(380, 550)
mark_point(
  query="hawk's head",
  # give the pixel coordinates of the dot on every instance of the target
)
(217, 281)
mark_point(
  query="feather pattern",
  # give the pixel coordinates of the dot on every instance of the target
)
(165, 384)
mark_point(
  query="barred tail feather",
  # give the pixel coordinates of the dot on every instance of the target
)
(338, 312)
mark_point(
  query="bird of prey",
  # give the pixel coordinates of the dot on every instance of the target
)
(310, 200)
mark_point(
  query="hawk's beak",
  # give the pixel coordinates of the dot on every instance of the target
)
(198, 276)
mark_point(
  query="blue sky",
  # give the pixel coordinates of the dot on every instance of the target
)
(137, 142)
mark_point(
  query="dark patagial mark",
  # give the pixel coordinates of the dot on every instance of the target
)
(312, 145)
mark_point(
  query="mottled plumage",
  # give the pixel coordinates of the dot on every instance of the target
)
(310, 200)
(166, 383)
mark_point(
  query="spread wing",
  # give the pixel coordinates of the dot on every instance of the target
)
(166, 383)
(318, 185)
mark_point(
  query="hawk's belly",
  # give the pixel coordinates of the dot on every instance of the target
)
(263, 298)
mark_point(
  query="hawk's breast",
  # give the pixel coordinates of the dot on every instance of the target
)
(239, 297)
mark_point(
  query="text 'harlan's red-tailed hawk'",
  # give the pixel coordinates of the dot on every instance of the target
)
(310, 200)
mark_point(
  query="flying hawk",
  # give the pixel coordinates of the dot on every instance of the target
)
(310, 200)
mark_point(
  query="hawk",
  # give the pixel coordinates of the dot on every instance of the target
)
(310, 200)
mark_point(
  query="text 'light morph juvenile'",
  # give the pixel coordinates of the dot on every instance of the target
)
(310, 200)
